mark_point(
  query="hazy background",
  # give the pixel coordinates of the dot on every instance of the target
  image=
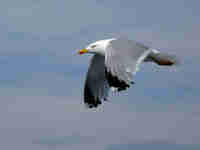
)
(41, 77)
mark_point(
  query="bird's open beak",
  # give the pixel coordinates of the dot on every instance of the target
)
(82, 51)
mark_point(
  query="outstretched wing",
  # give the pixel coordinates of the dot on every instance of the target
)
(96, 85)
(162, 58)
(122, 60)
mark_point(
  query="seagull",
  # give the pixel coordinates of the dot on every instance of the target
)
(113, 65)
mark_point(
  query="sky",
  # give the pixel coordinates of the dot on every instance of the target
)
(42, 77)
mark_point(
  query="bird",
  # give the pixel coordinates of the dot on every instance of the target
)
(114, 63)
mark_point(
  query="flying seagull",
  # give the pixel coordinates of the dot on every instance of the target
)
(113, 65)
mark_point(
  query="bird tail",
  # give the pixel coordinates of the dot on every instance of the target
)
(162, 58)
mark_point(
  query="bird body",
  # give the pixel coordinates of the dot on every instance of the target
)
(113, 65)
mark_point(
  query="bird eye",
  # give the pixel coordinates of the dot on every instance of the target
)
(93, 46)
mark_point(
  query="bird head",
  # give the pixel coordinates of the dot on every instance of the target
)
(97, 47)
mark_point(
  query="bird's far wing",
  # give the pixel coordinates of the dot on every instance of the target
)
(162, 58)
(122, 60)
(96, 85)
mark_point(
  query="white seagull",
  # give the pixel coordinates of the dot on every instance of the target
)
(113, 65)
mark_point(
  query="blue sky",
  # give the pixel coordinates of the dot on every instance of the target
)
(42, 78)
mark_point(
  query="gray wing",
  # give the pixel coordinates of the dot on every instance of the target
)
(162, 58)
(122, 60)
(96, 85)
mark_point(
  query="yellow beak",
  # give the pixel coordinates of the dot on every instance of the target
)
(83, 51)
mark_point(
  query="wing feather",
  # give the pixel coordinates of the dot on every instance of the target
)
(96, 85)
(162, 58)
(122, 60)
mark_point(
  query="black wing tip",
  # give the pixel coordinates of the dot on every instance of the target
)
(114, 81)
(90, 100)
(92, 104)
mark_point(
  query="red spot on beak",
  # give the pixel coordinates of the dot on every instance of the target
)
(83, 51)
